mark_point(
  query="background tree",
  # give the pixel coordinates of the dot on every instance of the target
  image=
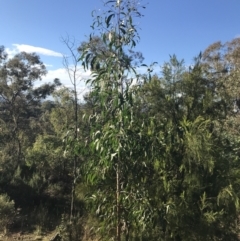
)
(20, 123)
(192, 181)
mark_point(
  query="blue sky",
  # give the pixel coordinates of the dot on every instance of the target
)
(181, 27)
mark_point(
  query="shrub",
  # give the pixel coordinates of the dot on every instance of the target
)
(7, 211)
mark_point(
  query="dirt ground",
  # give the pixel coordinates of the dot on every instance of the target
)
(28, 236)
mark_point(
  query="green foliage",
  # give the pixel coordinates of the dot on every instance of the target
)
(191, 172)
(20, 108)
(117, 145)
(45, 160)
(145, 157)
(160, 166)
(71, 231)
(7, 211)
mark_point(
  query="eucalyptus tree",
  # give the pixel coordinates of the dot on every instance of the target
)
(221, 65)
(118, 166)
(3, 54)
(20, 108)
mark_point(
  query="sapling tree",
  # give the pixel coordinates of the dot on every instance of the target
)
(71, 65)
(118, 165)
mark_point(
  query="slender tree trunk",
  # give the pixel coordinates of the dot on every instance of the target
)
(73, 76)
(72, 200)
(118, 225)
(75, 156)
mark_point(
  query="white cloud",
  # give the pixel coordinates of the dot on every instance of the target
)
(30, 49)
(48, 65)
(63, 76)
(11, 52)
(59, 73)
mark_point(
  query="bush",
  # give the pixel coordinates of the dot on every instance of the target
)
(71, 231)
(7, 211)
